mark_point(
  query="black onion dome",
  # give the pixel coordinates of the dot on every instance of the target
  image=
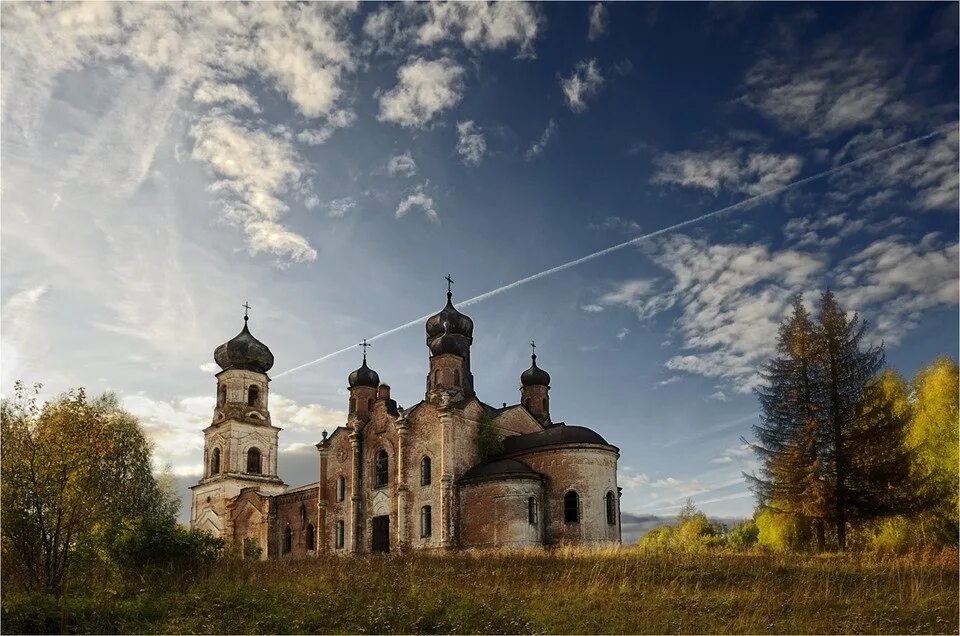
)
(449, 343)
(364, 376)
(534, 376)
(245, 352)
(449, 320)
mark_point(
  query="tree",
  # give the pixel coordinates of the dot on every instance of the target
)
(791, 477)
(932, 434)
(69, 468)
(847, 367)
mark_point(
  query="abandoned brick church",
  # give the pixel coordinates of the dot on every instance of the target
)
(393, 479)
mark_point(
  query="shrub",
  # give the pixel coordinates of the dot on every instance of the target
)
(743, 535)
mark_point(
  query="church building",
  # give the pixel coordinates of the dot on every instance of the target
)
(451, 472)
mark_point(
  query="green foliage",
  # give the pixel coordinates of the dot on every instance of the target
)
(780, 532)
(76, 474)
(693, 531)
(251, 549)
(489, 441)
(743, 535)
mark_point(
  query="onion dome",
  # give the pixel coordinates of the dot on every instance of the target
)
(364, 376)
(245, 352)
(534, 376)
(449, 343)
(449, 321)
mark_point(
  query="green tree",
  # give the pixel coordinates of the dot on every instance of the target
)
(70, 469)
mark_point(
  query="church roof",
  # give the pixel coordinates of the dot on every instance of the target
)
(499, 468)
(243, 351)
(550, 436)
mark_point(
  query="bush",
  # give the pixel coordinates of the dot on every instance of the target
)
(780, 532)
(743, 535)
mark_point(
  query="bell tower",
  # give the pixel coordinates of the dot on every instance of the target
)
(535, 389)
(449, 337)
(241, 443)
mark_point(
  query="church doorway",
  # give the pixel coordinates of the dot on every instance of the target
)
(381, 533)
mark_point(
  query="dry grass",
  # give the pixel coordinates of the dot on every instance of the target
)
(564, 591)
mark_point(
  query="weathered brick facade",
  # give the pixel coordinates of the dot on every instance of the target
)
(414, 479)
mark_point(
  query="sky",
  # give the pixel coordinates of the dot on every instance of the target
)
(330, 164)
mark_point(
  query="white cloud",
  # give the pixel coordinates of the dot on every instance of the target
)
(210, 367)
(419, 199)
(18, 318)
(640, 295)
(752, 173)
(317, 136)
(671, 380)
(538, 146)
(894, 282)
(592, 308)
(583, 83)
(477, 25)
(171, 61)
(740, 453)
(471, 146)
(255, 169)
(338, 208)
(402, 165)
(622, 333)
(720, 396)
(310, 418)
(598, 21)
(424, 89)
(617, 224)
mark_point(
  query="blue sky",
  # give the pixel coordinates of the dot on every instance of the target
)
(330, 164)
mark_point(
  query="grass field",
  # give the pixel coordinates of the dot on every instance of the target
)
(565, 591)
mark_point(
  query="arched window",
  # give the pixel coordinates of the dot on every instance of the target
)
(215, 462)
(532, 512)
(611, 508)
(571, 507)
(370, 404)
(381, 469)
(353, 404)
(253, 461)
(425, 471)
(311, 537)
(222, 394)
(546, 403)
(287, 540)
(253, 395)
(341, 487)
(456, 377)
(436, 378)
(426, 522)
(338, 537)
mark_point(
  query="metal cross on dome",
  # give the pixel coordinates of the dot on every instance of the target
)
(533, 348)
(365, 344)
(246, 310)
(449, 284)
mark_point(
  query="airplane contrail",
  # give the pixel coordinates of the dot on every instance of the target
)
(634, 241)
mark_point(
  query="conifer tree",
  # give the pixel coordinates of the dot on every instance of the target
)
(846, 368)
(789, 433)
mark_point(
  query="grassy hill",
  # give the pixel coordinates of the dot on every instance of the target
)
(564, 591)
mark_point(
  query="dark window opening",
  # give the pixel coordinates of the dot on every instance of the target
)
(253, 461)
(381, 471)
(215, 462)
(532, 511)
(545, 404)
(311, 537)
(341, 488)
(425, 471)
(611, 509)
(253, 396)
(370, 404)
(571, 507)
(287, 540)
(222, 395)
(456, 377)
(426, 522)
(353, 405)
(338, 539)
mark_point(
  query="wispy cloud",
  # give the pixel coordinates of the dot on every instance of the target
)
(471, 145)
(582, 84)
(402, 165)
(419, 199)
(536, 149)
(598, 21)
(424, 89)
